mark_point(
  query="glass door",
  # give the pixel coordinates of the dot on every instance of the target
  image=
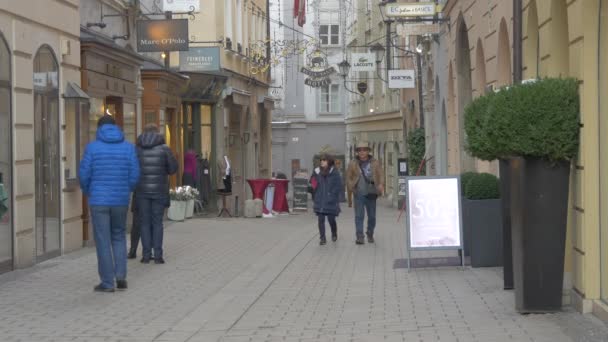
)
(6, 161)
(47, 159)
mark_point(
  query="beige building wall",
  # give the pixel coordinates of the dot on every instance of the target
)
(27, 26)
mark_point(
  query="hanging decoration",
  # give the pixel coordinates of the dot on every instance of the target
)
(299, 11)
(279, 50)
(318, 70)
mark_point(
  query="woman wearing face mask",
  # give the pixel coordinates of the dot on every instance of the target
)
(327, 196)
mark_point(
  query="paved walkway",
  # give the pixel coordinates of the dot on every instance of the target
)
(269, 280)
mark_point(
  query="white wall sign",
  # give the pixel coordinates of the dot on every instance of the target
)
(363, 62)
(414, 9)
(401, 79)
(434, 219)
(181, 5)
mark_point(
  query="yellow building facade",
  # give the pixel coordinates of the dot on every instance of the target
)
(570, 38)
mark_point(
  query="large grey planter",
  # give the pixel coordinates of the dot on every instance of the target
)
(483, 220)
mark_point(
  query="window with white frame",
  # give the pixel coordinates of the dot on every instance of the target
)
(329, 101)
(329, 34)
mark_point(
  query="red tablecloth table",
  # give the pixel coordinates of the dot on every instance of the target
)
(279, 203)
(258, 188)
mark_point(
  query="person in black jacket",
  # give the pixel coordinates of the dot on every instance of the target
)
(152, 194)
(327, 196)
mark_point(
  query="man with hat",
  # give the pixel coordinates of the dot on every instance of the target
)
(365, 179)
(109, 172)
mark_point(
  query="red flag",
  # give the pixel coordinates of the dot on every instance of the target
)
(302, 13)
(296, 8)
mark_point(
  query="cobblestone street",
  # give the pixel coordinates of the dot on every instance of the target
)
(269, 280)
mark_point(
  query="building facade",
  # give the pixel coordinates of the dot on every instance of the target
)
(310, 119)
(39, 66)
(381, 116)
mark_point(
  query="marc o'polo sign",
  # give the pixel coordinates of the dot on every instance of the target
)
(162, 35)
(363, 62)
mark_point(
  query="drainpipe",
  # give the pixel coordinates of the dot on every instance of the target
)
(517, 41)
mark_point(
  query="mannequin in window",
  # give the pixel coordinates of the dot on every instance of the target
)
(223, 165)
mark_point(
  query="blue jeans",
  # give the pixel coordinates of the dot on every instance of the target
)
(151, 212)
(109, 227)
(362, 204)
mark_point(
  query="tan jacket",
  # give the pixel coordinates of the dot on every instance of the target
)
(354, 172)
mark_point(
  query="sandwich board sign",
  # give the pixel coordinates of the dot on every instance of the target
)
(434, 219)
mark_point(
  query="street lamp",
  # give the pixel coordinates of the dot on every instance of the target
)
(379, 50)
(344, 67)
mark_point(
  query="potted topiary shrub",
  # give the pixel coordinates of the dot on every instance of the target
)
(537, 125)
(483, 219)
(478, 127)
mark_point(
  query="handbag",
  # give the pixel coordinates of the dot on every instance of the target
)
(372, 192)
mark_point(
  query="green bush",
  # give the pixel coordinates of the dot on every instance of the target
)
(539, 119)
(482, 186)
(464, 181)
(416, 147)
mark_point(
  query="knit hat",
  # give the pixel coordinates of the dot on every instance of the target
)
(106, 120)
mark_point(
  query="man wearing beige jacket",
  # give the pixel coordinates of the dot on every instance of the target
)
(365, 179)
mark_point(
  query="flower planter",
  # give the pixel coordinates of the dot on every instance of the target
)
(507, 249)
(190, 208)
(177, 210)
(539, 212)
(483, 219)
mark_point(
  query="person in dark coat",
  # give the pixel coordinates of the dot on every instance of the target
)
(108, 173)
(152, 195)
(327, 196)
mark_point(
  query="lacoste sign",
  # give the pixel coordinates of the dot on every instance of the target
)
(363, 62)
(401, 79)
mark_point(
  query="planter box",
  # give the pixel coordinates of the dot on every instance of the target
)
(505, 195)
(190, 209)
(177, 210)
(539, 211)
(483, 220)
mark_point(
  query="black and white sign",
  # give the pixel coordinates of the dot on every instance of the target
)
(162, 35)
(317, 74)
(401, 79)
(363, 62)
(300, 191)
(181, 6)
(434, 214)
(318, 70)
(317, 83)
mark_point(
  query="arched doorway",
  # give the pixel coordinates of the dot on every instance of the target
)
(6, 160)
(532, 43)
(503, 58)
(480, 68)
(47, 157)
(465, 89)
(560, 53)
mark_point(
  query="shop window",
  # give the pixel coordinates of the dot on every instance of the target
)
(76, 131)
(149, 117)
(129, 123)
(96, 111)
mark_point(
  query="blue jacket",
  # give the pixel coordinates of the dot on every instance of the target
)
(109, 170)
(327, 193)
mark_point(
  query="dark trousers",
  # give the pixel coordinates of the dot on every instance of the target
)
(135, 230)
(151, 212)
(110, 242)
(332, 223)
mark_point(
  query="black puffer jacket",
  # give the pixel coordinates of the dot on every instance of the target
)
(156, 162)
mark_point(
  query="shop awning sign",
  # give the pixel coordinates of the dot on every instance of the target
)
(181, 6)
(363, 62)
(401, 79)
(413, 9)
(199, 59)
(162, 35)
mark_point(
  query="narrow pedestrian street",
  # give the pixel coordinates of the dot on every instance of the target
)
(269, 280)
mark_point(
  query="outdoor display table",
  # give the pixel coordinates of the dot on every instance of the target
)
(258, 188)
(280, 204)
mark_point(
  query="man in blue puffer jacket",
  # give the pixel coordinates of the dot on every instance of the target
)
(109, 172)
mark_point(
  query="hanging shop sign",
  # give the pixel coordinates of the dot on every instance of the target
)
(405, 30)
(182, 6)
(401, 79)
(362, 87)
(318, 70)
(414, 9)
(162, 35)
(200, 59)
(363, 62)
